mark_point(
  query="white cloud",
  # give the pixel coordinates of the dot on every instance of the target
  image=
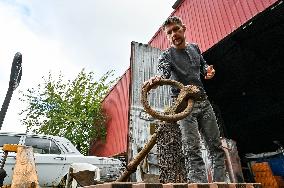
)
(39, 56)
(69, 35)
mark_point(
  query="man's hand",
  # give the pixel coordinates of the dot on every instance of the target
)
(152, 80)
(210, 72)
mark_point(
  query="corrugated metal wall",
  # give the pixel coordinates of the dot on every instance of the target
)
(143, 66)
(116, 106)
(209, 21)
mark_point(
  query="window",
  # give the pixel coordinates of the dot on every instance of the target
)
(42, 145)
(4, 139)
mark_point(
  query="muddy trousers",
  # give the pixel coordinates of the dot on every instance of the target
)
(202, 121)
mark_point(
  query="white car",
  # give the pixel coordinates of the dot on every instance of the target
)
(53, 157)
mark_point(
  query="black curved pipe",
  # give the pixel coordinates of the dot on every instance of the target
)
(15, 78)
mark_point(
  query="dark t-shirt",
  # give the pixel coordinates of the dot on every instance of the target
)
(183, 65)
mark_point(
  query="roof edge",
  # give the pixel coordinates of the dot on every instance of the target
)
(176, 4)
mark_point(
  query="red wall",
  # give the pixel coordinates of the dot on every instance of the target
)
(116, 106)
(209, 21)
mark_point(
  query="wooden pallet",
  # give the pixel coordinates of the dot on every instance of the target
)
(175, 185)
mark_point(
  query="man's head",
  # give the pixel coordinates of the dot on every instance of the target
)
(174, 29)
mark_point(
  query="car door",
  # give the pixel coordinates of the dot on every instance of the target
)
(50, 160)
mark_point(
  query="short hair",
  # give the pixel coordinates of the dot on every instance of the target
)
(170, 20)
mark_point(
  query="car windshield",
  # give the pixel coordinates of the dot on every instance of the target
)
(4, 139)
(42, 145)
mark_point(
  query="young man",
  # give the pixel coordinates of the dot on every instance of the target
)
(183, 62)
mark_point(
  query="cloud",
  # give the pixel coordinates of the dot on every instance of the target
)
(69, 35)
(40, 55)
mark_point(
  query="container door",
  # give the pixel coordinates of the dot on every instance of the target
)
(144, 60)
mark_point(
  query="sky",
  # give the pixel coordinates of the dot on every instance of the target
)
(69, 35)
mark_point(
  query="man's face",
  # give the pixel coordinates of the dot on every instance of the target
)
(175, 34)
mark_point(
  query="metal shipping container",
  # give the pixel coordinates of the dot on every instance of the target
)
(116, 107)
(208, 23)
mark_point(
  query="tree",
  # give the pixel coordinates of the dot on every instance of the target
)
(70, 109)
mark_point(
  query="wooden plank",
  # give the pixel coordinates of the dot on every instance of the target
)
(175, 185)
(147, 185)
(202, 185)
(115, 185)
(24, 174)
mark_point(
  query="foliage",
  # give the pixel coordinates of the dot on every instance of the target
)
(71, 109)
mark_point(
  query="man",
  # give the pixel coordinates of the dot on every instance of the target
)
(183, 62)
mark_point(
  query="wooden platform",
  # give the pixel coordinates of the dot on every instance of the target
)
(175, 185)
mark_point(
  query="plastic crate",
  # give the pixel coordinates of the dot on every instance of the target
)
(277, 165)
